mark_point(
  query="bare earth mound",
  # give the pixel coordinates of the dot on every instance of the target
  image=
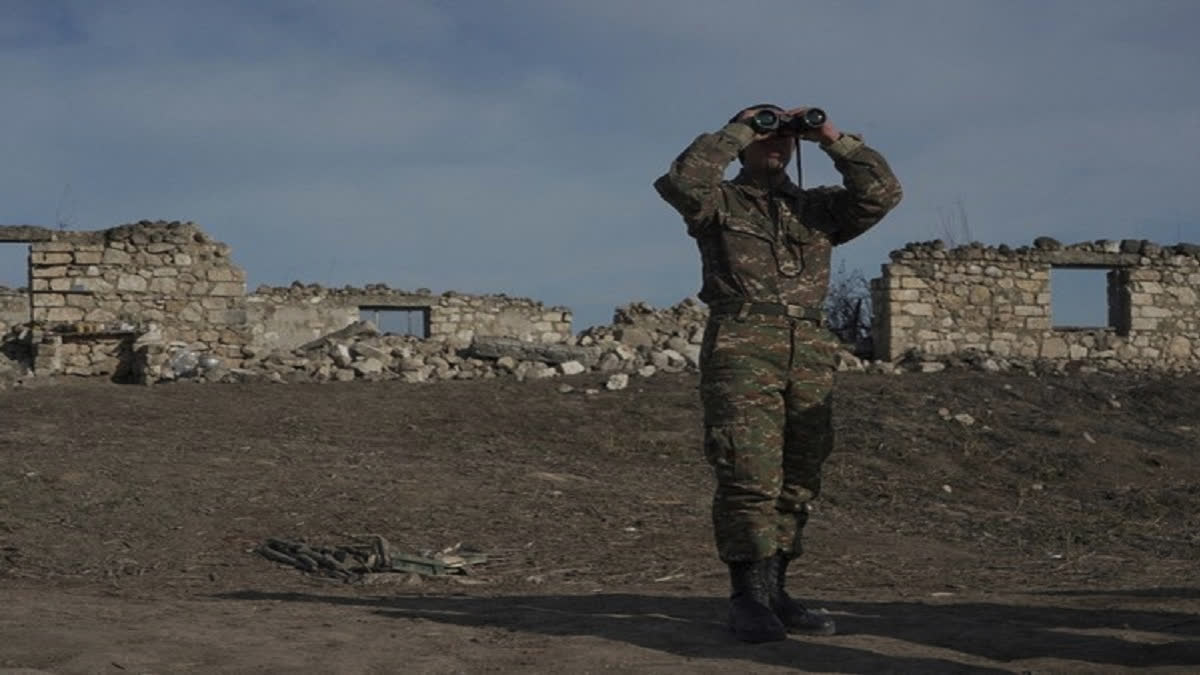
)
(970, 523)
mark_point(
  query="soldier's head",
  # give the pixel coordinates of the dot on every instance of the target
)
(769, 155)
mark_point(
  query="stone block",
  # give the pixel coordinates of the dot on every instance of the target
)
(1179, 347)
(92, 284)
(228, 288)
(571, 368)
(49, 300)
(81, 300)
(917, 309)
(64, 314)
(163, 285)
(50, 258)
(88, 257)
(1185, 296)
(55, 246)
(1054, 348)
(113, 256)
(132, 283)
(40, 272)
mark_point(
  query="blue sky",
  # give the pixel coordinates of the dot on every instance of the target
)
(509, 146)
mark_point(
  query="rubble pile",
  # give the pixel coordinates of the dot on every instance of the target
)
(642, 341)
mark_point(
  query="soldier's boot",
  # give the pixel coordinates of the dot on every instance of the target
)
(794, 616)
(750, 615)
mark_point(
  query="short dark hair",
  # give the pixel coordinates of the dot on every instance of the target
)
(738, 114)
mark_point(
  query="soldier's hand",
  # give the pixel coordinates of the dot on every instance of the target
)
(824, 135)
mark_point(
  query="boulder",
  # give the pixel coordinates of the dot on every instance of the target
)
(497, 347)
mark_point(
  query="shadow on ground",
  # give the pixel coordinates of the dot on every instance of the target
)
(694, 628)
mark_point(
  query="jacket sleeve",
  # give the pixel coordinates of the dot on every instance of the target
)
(868, 192)
(693, 183)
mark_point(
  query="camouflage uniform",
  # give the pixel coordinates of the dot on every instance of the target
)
(767, 360)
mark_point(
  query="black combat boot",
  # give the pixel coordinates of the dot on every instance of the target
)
(795, 617)
(750, 615)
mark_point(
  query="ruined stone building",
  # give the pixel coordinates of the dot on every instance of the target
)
(123, 302)
(115, 301)
(997, 301)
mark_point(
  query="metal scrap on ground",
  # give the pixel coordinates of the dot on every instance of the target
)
(356, 562)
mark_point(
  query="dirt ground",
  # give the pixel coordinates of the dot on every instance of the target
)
(1056, 530)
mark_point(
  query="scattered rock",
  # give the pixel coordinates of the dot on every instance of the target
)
(367, 367)
(1047, 244)
(493, 348)
(617, 382)
(571, 368)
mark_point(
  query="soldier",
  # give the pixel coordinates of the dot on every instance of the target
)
(767, 360)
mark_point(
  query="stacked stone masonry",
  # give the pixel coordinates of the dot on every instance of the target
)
(938, 303)
(161, 300)
(290, 316)
(96, 298)
(128, 300)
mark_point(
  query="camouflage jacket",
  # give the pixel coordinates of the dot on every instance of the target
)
(773, 244)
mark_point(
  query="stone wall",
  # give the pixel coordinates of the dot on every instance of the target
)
(14, 308)
(151, 297)
(150, 287)
(288, 317)
(939, 303)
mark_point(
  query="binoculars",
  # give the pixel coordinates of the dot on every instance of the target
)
(765, 121)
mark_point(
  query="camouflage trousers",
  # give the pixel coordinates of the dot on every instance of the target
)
(766, 384)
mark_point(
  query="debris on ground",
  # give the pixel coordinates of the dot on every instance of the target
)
(374, 555)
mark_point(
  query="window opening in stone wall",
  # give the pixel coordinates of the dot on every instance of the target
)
(1087, 298)
(412, 321)
(14, 265)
